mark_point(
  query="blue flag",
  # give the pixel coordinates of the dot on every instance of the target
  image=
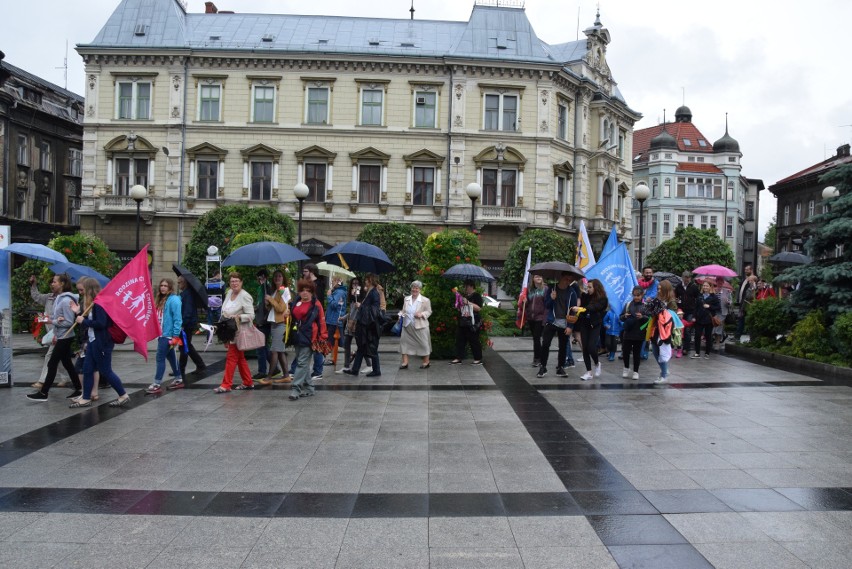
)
(611, 242)
(615, 271)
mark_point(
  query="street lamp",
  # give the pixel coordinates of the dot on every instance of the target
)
(473, 191)
(138, 194)
(641, 191)
(301, 191)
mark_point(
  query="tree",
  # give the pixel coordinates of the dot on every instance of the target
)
(827, 282)
(232, 226)
(403, 244)
(80, 248)
(547, 245)
(771, 235)
(689, 248)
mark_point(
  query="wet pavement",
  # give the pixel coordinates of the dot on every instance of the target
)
(729, 465)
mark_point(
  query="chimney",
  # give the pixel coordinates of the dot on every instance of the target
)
(210, 8)
(843, 151)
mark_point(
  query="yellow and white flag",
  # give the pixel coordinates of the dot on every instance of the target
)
(585, 258)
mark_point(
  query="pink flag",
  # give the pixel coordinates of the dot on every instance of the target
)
(128, 300)
(522, 312)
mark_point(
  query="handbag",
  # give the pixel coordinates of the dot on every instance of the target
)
(321, 346)
(249, 338)
(47, 339)
(271, 317)
(290, 332)
(397, 328)
(716, 321)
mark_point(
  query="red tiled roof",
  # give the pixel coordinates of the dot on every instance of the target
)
(679, 130)
(817, 168)
(698, 167)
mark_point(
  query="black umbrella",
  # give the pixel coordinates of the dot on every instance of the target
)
(465, 271)
(194, 284)
(554, 270)
(664, 276)
(790, 258)
(359, 257)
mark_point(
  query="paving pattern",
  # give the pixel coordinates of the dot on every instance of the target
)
(731, 465)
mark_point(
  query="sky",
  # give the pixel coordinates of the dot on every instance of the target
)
(778, 69)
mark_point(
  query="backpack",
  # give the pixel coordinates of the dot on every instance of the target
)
(117, 334)
(664, 325)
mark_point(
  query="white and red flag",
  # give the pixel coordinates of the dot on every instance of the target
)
(522, 312)
(128, 300)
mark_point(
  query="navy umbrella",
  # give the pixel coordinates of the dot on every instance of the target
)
(264, 253)
(465, 271)
(360, 257)
(37, 252)
(76, 272)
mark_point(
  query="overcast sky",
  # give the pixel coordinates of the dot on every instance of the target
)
(779, 69)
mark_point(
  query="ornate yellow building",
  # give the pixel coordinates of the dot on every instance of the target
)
(382, 119)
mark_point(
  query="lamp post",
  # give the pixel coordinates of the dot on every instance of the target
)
(138, 194)
(829, 193)
(473, 191)
(301, 191)
(641, 191)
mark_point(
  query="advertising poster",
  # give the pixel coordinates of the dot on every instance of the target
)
(5, 308)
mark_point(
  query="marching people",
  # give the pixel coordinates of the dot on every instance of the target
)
(46, 300)
(558, 302)
(415, 339)
(535, 314)
(469, 323)
(356, 296)
(280, 313)
(612, 327)
(261, 312)
(368, 328)
(595, 303)
(725, 305)
(99, 348)
(633, 319)
(239, 305)
(649, 284)
(168, 306)
(686, 293)
(62, 318)
(309, 316)
(335, 312)
(706, 309)
(745, 296)
(189, 322)
(764, 290)
(661, 339)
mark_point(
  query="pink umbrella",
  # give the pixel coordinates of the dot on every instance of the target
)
(725, 284)
(714, 271)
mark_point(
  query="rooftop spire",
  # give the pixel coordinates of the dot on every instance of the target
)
(412, 9)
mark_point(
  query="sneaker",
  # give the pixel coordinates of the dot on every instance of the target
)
(176, 385)
(679, 353)
(660, 380)
(625, 373)
(343, 370)
(316, 377)
(366, 370)
(536, 363)
(586, 376)
(611, 357)
(695, 356)
(569, 365)
(636, 375)
(259, 375)
(154, 389)
(328, 362)
(560, 372)
(37, 396)
(706, 356)
(598, 370)
(541, 372)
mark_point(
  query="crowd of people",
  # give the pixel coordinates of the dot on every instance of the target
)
(664, 319)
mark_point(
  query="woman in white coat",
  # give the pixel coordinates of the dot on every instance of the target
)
(415, 339)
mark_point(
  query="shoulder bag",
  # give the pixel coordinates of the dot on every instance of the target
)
(249, 338)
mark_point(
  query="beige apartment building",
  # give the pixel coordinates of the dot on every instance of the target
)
(383, 120)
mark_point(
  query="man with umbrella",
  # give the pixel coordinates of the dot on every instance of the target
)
(261, 310)
(558, 303)
(189, 322)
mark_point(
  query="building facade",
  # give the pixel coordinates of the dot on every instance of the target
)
(383, 120)
(799, 199)
(41, 156)
(694, 184)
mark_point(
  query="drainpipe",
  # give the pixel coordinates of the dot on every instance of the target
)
(449, 150)
(181, 197)
(577, 139)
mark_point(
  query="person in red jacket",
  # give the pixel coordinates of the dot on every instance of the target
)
(764, 290)
(309, 318)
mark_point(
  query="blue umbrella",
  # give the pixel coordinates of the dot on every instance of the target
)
(37, 252)
(264, 253)
(360, 257)
(464, 272)
(76, 272)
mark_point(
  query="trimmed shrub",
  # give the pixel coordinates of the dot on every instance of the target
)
(768, 318)
(809, 338)
(841, 336)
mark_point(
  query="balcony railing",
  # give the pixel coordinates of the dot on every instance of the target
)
(498, 212)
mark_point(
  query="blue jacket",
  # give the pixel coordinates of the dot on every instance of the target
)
(550, 305)
(98, 320)
(171, 316)
(612, 323)
(336, 305)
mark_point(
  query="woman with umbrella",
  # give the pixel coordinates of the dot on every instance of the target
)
(356, 297)
(368, 328)
(189, 322)
(280, 313)
(415, 339)
(467, 332)
(705, 309)
(536, 316)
